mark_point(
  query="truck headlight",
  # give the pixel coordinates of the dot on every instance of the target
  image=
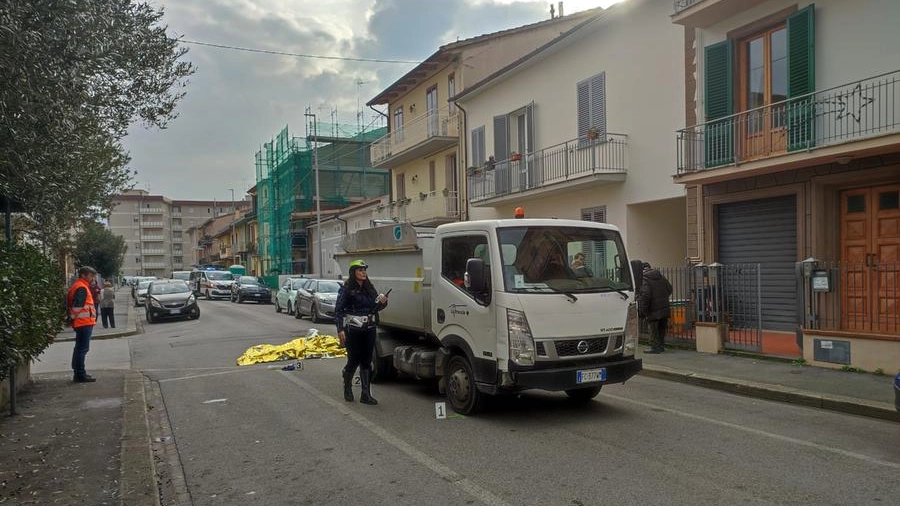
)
(521, 343)
(632, 327)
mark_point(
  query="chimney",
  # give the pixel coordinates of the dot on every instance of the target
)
(552, 12)
(561, 10)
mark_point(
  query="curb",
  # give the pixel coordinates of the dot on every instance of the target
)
(138, 484)
(778, 393)
(130, 331)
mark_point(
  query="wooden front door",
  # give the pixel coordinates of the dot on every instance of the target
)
(870, 248)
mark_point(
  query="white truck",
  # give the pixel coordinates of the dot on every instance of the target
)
(496, 306)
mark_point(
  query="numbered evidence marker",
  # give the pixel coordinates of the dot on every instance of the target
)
(440, 410)
(356, 380)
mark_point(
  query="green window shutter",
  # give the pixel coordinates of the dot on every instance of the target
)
(719, 136)
(801, 78)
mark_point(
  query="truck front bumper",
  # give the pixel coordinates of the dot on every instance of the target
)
(566, 378)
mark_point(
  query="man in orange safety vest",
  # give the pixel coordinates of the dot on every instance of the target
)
(82, 316)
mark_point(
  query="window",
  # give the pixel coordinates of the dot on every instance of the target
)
(451, 92)
(456, 251)
(401, 186)
(431, 109)
(432, 175)
(136, 219)
(478, 155)
(398, 124)
(592, 107)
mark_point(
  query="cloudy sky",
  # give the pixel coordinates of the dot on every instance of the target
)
(238, 100)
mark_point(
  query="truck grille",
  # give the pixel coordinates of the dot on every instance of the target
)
(570, 348)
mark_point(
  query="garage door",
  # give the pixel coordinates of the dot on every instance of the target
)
(763, 232)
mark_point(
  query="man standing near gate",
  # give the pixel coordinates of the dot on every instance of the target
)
(653, 303)
(82, 316)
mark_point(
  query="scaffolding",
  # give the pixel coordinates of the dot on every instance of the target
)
(286, 190)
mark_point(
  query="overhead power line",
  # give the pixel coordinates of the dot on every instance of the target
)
(299, 55)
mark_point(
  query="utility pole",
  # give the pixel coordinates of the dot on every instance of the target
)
(233, 212)
(315, 136)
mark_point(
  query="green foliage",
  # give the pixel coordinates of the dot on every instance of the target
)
(31, 304)
(101, 249)
(76, 75)
(799, 361)
(878, 372)
(848, 368)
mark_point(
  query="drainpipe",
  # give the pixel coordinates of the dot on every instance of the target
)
(379, 112)
(463, 204)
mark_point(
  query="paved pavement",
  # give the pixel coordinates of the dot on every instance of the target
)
(58, 417)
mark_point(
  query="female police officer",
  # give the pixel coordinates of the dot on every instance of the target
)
(354, 313)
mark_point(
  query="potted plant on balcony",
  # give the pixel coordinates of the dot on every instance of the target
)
(474, 171)
(593, 133)
(515, 157)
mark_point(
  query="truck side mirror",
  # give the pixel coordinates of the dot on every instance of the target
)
(475, 276)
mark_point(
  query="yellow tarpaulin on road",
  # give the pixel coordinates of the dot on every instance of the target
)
(320, 346)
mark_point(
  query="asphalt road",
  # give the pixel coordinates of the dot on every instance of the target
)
(259, 435)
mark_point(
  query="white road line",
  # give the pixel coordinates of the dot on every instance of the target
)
(758, 432)
(208, 374)
(451, 476)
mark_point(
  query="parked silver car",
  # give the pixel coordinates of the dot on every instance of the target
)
(317, 298)
(286, 298)
(140, 293)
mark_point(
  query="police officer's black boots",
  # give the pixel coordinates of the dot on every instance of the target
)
(365, 377)
(348, 385)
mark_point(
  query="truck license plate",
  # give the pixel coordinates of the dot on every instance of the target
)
(591, 375)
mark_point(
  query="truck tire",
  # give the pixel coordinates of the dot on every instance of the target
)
(583, 394)
(462, 393)
(383, 369)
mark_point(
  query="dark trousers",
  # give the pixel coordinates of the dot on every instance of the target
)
(108, 316)
(658, 330)
(360, 348)
(82, 346)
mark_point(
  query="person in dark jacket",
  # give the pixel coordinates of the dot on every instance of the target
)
(653, 303)
(357, 305)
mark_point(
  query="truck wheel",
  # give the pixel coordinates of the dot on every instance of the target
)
(383, 369)
(462, 393)
(583, 394)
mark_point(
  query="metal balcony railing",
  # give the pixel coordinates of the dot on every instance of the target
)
(430, 207)
(151, 238)
(151, 210)
(152, 224)
(681, 5)
(570, 161)
(843, 114)
(440, 123)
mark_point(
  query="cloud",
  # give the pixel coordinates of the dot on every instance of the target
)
(236, 101)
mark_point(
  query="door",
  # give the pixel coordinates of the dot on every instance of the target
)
(870, 249)
(431, 109)
(763, 82)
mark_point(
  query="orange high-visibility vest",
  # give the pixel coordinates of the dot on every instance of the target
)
(81, 316)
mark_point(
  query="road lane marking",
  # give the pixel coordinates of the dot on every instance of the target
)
(758, 432)
(195, 376)
(449, 475)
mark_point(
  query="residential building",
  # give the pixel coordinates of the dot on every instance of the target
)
(791, 152)
(422, 145)
(154, 226)
(575, 130)
(335, 228)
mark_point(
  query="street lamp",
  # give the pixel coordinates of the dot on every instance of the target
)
(318, 197)
(232, 225)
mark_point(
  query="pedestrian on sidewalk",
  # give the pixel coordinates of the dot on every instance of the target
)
(653, 303)
(108, 306)
(354, 312)
(82, 316)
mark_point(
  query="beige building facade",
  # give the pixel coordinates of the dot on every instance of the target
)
(154, 229)
(423, 146)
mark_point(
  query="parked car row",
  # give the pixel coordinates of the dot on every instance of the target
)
(170, 298)
(250, 288)
(301, 297)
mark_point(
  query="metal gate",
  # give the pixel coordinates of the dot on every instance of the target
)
(716, 293)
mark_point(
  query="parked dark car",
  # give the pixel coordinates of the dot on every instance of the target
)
(897, 391)
(250, 288)
(317, 299)
(171, 298)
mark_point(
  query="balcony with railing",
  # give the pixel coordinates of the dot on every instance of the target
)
(151, 224)
(427, 134)
(151, 210)
(155, 265)
(577, 163)
(820, 127)
(151, 238)
(146, 252)
(424, 209)
(703, 13)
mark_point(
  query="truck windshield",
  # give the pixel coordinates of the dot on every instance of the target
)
(563, 259)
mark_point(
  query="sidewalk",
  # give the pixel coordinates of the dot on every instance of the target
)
(127, 317)
(849, 392)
